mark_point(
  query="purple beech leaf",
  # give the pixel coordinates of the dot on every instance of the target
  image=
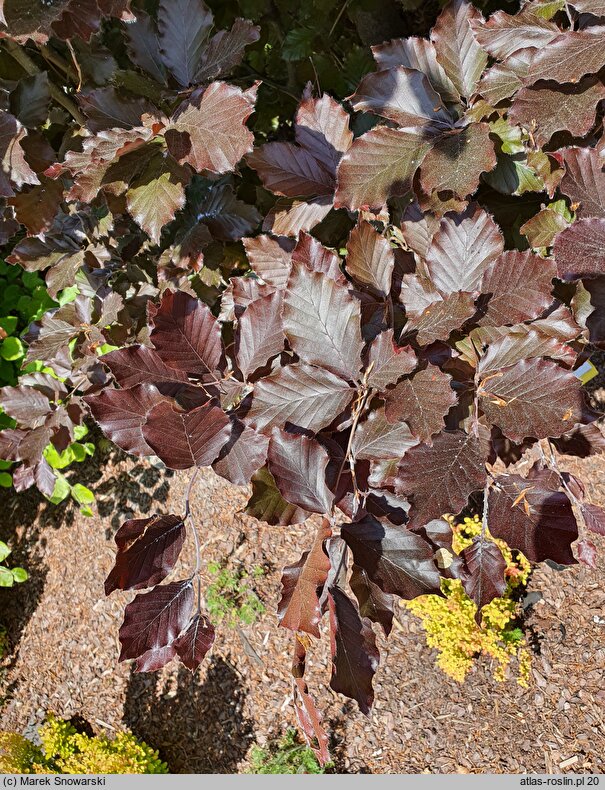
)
(440, 479)
(520, 287)
(462, 248)
(379, 165)
(587, 553)
(355, 656)
(184, 26)
(302, 584)
(594, 517)
(322, 322)
(582, 441)
(260, 334)
(156, 195)
(208, 131)
(370, 258)
(144, 46)
(290, 217)
(14, 169)
(533, 516)
(388, 362)
(106, 108)
(596, 7)
(544, 111)
(305, 396)
(401, 95)
(26, 405)
(227, 218)
(141, 365)
(267, 504)
(484, 580)
(153, 660)
(269, 260)
(307, 715)
(579, 250)
(442, 317)
(121, 415)
(398, 561)
(584, 180)
(374, 604)
(458, 52)
(155, 619)
(148, 549)
(420, 54)
(422, 401)
(195, 642)
(186, 439)
(504, 34)
(541, 229)
(291, 171)
(418, 229)
(318, 258)
(569, 57)
(298, 466)
(186, 335)
(378, 439)
(322, 128)
(533, 398)
(225, 50)
(244, 453)
(457, 160)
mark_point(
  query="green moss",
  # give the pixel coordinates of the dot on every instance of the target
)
(230, 597)
(286, 756)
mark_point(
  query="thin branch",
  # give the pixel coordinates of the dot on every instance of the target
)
(196, 539)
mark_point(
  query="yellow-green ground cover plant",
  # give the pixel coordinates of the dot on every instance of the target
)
(367, 309)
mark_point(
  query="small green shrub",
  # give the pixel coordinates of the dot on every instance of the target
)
(286, 756)
(9, 576)
(64, 750)
(230, 596)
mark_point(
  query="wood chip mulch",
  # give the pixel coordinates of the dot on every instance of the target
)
(65, 649)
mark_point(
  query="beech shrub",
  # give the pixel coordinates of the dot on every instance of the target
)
(367, 313)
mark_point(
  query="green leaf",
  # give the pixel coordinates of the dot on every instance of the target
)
(11, 349)
(5, 464)
(86, 511)
(82, 495)
(9, 323)
(298, 43)
(80, 431)
(6, 479)
(20, 575)
(6, 577)
(4, 551)
(61, 490)
(68, 295)
(59, 460)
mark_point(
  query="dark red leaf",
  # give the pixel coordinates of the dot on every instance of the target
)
(260, 334)
(355, 656)
(504, 34)
(244, 453)
(579, 250)
(148, 549)
(484, 580)
(269, 259)
(587, 553)
(534, 398)
(457, 160)
(584, 180)
(305, 396)
(155, 619)
(121, 415)
(195, 642)
(322, 322)
(376, 438)
(594, 516)
(298, 465)
(569, 57)
(440, 479)
(374, 604)
(533, 516)
(267, 504)
(184, 26)
(422, 401)
(185, 439)
(318, 258)
(399, 561)
(302, 584)
(442, 317)
(457, 48)
(388, 362)
(370, 258)
(186, 335)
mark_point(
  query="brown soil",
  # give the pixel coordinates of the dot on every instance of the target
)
(65, 650)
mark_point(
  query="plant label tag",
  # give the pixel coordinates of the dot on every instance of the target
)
(586, 372)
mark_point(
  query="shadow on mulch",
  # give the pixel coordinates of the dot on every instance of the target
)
(27, 515)
(197, 727)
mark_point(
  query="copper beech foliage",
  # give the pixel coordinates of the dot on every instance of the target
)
(415, 301)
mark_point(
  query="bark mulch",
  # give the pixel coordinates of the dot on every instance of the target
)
(65, 649)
